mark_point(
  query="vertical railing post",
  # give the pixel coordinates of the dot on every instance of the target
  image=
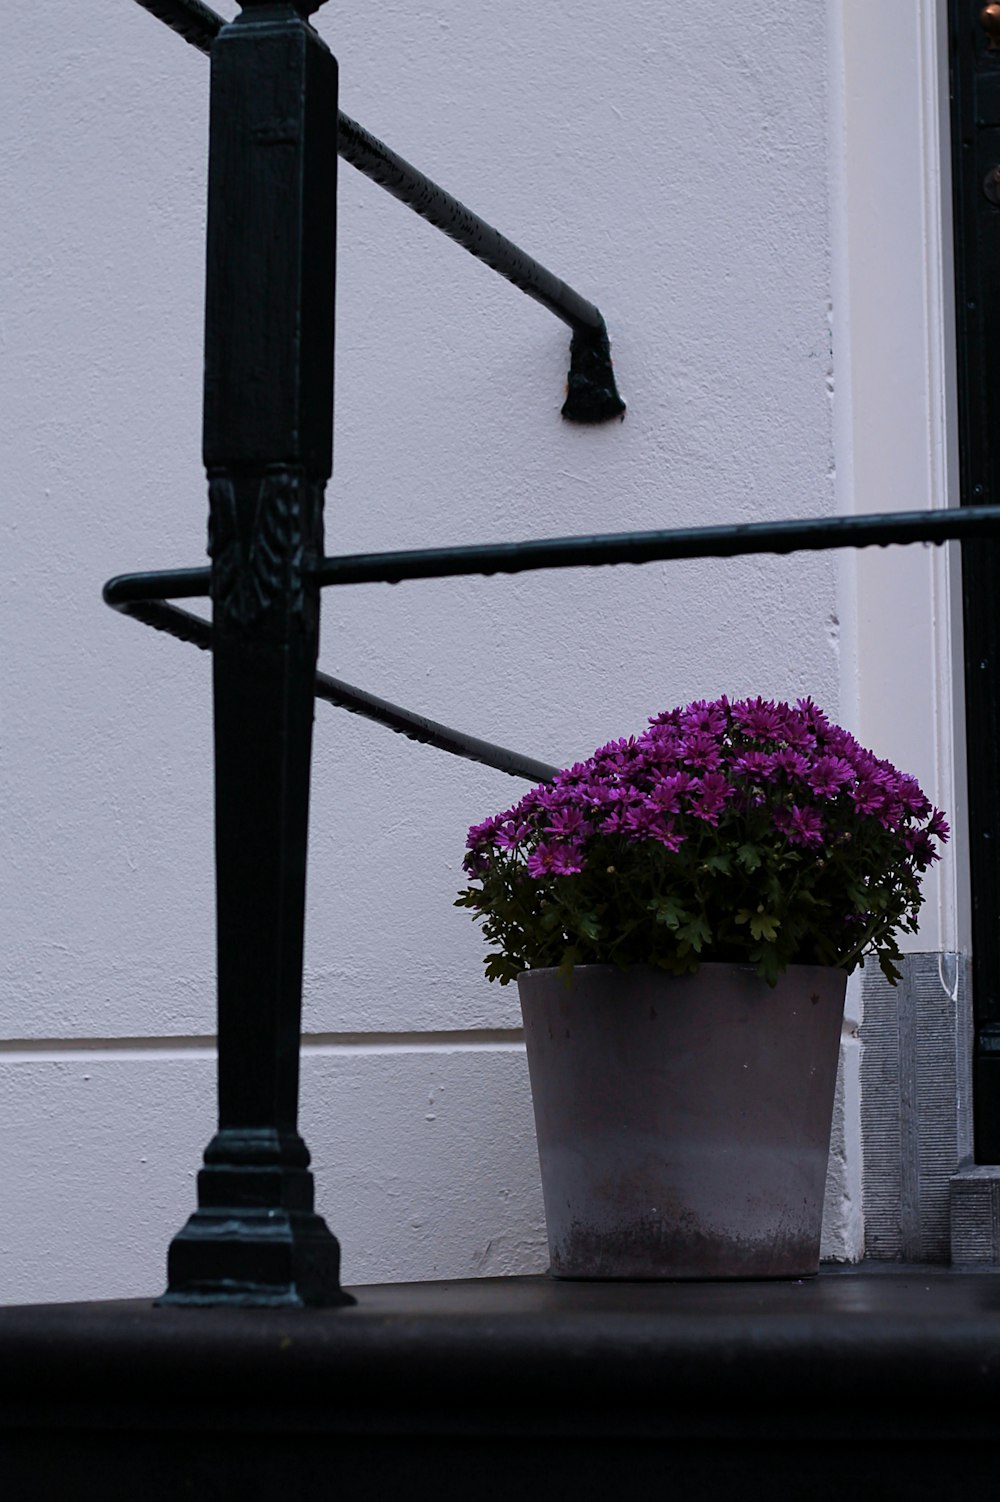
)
(269, 324)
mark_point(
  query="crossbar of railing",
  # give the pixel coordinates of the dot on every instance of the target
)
(731, 541)
(142, 596)
(191, 628)
(810, 534)
(592, 395)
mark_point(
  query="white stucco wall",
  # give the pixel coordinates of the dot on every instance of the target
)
(678, 176)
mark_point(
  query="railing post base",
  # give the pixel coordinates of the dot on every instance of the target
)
(255, 1258)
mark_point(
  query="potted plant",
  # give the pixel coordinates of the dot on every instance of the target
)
(681, 912)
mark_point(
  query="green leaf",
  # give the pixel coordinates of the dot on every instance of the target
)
(499, 967)
(718, 863)
(569, 959)
(770, 967)
(668, 910)
(695, 932)
(749, 857)
(888, 969)
(764, 926)
(588, 925)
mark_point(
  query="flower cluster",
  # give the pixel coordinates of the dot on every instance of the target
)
(744, 830)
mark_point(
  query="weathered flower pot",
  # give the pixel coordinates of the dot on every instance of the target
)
(683, 1122)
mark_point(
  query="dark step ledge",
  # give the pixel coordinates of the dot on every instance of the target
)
(877, 1381)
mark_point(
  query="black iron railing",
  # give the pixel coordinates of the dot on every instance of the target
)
(144, 596)
(591, 394)
(274, 137)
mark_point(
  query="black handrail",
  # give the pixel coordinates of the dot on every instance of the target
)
(811, 534)
(592, 395)
(195, 22)
(191, 628)
(143, 596)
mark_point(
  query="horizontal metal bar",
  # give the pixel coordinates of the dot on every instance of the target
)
(162, 584)
(190, 628)
(648, 547)
(877, 529)
(592, 395)
(809, 535)
(141, 595)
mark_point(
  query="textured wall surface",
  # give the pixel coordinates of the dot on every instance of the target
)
(664, 178)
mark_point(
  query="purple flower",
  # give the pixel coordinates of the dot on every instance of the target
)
(938, 826)
(792, 763)
(667, 791)
(480, 835)
(870, 796)
(617, 753)
(666, 737)
(511, 834)
(571, 776)
(703, 716)
(713, 791)
(545, 798)
(828, 775)
(797, 733)
(756, 766)
(700, 749)
(840, 742)
(669, 717)
(639, 820)
(812, 715)
(566, 823)
(759, 718)
(665, 832)
(921, 847)
(555, 860)
(804, 826)
(912, 798)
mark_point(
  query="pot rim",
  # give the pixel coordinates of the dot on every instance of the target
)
(669, 974)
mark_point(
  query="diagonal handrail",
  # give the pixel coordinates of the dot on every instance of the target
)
(592, 395)
(195, 22)
(144, 596)
(416, 727)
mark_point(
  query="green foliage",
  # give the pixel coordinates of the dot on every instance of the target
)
(771, 906)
